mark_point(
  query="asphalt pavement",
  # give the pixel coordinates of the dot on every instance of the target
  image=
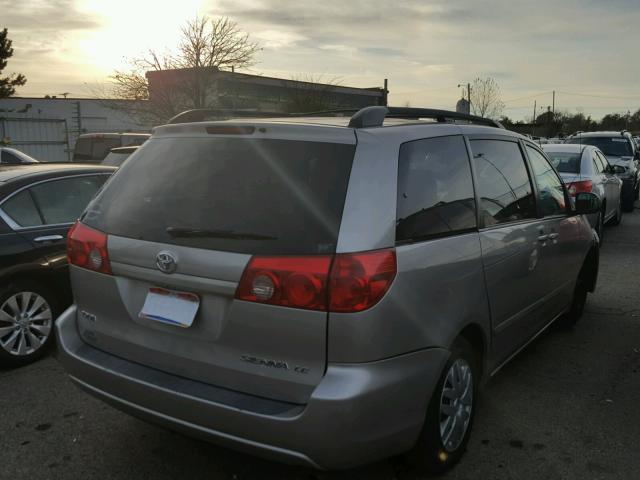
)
(568, 407)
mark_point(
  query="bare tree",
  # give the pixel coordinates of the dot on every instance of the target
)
(205, 46)
(485, 98)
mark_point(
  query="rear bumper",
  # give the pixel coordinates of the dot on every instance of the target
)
(357, 414)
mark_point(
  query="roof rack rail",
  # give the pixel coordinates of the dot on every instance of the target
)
(374, 116)
(202, 114)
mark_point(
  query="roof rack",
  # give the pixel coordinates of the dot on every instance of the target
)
(374, 116)
(360, 118)
(201, 114)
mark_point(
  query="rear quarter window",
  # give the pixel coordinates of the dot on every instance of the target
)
(435, 189)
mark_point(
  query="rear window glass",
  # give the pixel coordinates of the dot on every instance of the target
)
(231, 194)
(94, 148)
(610, 146)
(565, 162)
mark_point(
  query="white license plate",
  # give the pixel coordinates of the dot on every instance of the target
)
(170, 307)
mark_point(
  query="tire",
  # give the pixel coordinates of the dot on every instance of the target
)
(569, 319)
(618, 218)
(27, 313)
(628, 202)
(436, 450)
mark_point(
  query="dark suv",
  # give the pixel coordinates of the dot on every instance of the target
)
(325, 291)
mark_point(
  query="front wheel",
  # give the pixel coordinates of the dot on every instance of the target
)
(450, 414)
(569, 319)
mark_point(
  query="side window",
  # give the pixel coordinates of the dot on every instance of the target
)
(504, 186)
(435, 189)
(604, 161)
(550, 191)
(597, 165)
(21, 209)
(9, 158)
(62, 201)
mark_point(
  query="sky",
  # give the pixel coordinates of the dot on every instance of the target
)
(588, 51)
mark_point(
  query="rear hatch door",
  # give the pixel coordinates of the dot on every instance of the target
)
(210, 202)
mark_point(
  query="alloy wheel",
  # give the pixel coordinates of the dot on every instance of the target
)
(456, 403)
(25, 323)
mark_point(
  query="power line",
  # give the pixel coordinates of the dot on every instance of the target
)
(527, 97)
(600, 96)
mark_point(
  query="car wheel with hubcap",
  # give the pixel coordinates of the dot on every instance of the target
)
(27, 313)
(450, 413)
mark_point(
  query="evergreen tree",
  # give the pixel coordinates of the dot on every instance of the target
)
(8, 84)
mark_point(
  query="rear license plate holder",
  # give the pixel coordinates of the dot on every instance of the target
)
(170, 307)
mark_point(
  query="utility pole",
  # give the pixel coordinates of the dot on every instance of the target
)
(553, 105)
(533, 122)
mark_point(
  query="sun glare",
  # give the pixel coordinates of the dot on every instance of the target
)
(131, 27)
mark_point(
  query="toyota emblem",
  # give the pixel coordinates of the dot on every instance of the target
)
(166, 262)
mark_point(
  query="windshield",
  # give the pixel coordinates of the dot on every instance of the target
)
(231, 194)
(610, 146)
(565, 162)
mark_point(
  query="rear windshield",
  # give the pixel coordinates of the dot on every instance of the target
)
(565, 162)
(94, 149)
(610, 146)
(231, 194)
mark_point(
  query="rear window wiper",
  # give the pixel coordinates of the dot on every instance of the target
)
(181, 232)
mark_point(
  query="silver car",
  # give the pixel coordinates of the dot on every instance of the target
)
(325, 291)
(584, 168)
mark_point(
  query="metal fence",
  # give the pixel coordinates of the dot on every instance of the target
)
(45, 139)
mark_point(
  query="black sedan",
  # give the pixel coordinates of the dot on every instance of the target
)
(38, 204)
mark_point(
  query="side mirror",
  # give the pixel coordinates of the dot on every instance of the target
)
(618, 170)
(587, 203)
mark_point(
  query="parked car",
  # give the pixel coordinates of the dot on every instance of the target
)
(117, 156)
(38, 205)
(94, 147)
(324, 291)
(584, 168)
(620, 149)
(11, 156)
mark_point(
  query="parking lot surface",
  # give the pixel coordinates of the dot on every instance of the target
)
(566, 408)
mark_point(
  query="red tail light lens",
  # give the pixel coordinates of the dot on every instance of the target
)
(358, 281)
(299, 282)
(87, 248)
(352, 283)
(578, 187)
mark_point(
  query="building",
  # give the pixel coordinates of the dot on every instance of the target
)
(47, 128)
(211, 87)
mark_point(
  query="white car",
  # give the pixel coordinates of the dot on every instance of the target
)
(11, 156)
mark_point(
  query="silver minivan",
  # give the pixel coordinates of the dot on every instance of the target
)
(325, 291)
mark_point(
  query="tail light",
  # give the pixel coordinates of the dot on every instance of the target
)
(340, 283)
(579, 187)
(87, 248)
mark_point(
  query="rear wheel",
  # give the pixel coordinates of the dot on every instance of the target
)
(450, 414)
(27, 313)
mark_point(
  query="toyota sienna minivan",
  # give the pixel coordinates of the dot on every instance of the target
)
(325, 291)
